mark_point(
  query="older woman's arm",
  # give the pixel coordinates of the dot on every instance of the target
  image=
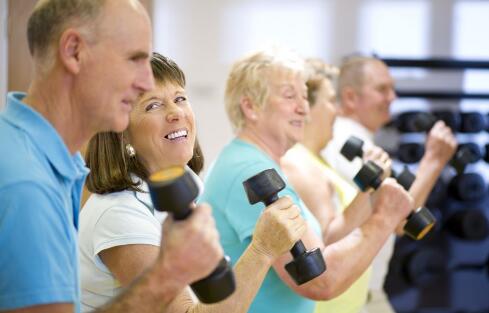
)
(349, 257)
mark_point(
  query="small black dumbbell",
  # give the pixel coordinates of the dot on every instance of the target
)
(307, 264)
(424, 267)
(418, 223)
(473, 122)
(423, 122)
(173, 190)
(353, 148)
(467, 187)
(466, 153)
(410, 152)
(469, 224)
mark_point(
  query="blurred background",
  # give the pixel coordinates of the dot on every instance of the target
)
(447, 272)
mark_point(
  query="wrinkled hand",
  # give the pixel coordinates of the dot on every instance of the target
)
(380, 157)
(440, 144)
(392, 202)
(278, 228)
(190, 248)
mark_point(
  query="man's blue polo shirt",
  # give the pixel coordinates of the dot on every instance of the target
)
(40, 188)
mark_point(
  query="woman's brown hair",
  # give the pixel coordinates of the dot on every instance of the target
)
(106, 156)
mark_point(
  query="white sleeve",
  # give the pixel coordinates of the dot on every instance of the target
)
(122, 225)
(347, 169)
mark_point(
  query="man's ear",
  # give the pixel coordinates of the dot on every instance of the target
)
(249, 110)
(349, 99)
(70, 46)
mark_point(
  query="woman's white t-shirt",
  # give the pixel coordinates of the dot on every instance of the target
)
(107, 221)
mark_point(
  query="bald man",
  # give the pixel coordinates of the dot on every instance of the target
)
(91, 60)
(366, 91)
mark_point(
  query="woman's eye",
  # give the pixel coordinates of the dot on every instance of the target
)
(152, 106)
(180, 99)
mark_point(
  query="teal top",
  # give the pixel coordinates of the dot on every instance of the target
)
(236, 218)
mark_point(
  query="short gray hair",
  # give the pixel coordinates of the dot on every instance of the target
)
(353, 72)
(51, 17)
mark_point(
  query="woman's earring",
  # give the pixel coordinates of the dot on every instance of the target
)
(130, 150)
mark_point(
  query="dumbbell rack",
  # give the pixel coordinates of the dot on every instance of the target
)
(444, 273)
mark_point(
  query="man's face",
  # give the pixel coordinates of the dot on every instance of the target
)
(116, 69)
(375, 96)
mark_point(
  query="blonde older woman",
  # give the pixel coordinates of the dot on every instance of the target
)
(266, 101)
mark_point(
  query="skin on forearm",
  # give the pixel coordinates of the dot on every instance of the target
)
(152, 292)
(428, 171)
(346, 260)
(250, 271)
(357, 212)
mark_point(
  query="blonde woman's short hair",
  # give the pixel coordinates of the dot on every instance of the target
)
(248, 78)
(317, 72)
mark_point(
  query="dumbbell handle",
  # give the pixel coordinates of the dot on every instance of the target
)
(298, 248)
(182, 214)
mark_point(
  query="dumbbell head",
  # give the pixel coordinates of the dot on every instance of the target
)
(369, 176)
(486, 155)
(469, 224)
(472, 122)
(451, 119)
(423, 267)
(172, 190)
(264, 186)
(468, 187)
(352, 148)
(419, 223)
(306, 266)
(219, 285)
(437, 195)
(468, 153)
(423, 122)
(405, 121)
(410, 152)
(404, 178)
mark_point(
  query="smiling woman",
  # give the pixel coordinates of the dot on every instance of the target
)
(119, 214)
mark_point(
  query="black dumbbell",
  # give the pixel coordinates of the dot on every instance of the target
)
(173, 190)
(473, 122)
(307, 264)
(404, 121)
(469, 224)
(420, 222)
(353, 148)
(467, 187)
(474, 152)
(410, 152)
(486, 154)
(423, 122)
(423, 267)
(438, 194)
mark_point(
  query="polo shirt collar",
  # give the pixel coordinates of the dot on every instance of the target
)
(44, 136)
